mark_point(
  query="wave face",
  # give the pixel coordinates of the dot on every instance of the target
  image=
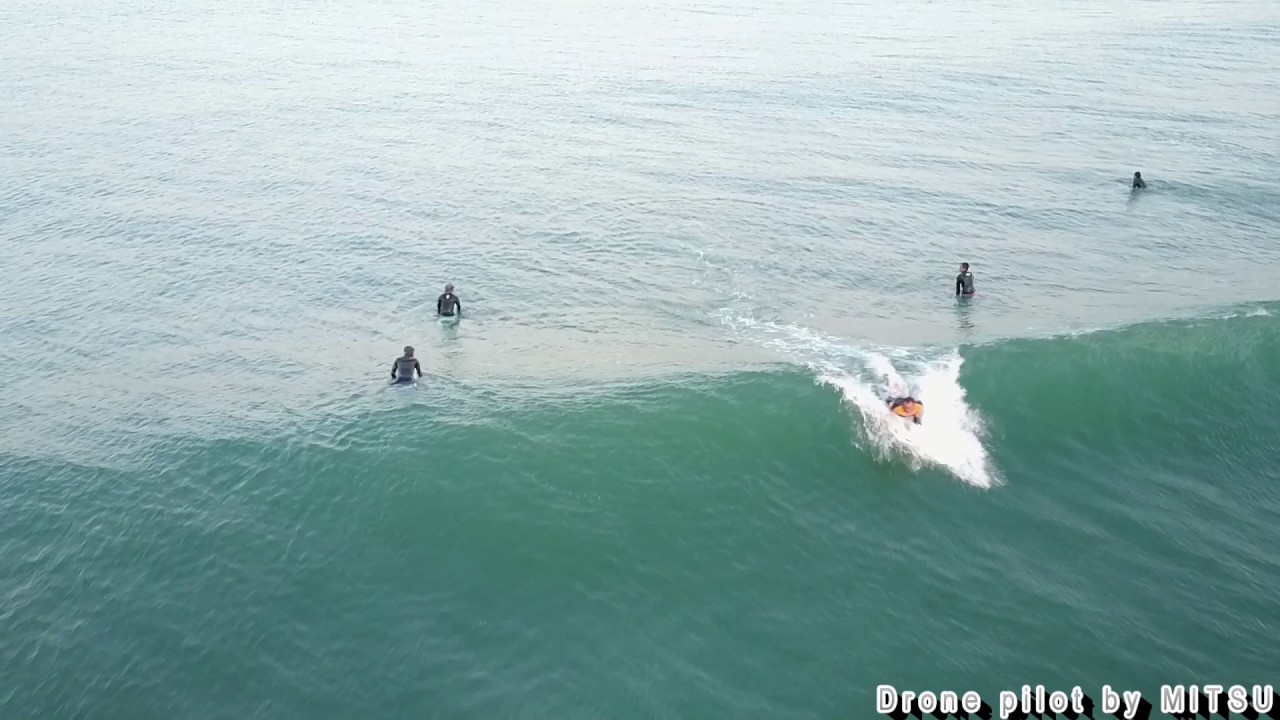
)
(754, 543)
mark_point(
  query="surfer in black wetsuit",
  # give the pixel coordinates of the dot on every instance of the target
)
(405, 366)
(964, 282)
(1138, 182)
(448, 304)
(907, 407)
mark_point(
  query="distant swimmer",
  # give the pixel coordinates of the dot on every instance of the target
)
(1138, 182)
(908, 407)
(964, 281)
(448, 304)
(403, 368)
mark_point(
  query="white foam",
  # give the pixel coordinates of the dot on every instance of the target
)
(950, 436)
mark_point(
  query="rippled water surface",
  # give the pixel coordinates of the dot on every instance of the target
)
(646, 477)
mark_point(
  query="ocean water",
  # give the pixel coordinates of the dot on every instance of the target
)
(649, 474)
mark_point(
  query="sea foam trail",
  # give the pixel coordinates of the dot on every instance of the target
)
(951, 435)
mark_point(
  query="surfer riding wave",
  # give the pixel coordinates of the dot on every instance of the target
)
(900, 402)
(907, 407)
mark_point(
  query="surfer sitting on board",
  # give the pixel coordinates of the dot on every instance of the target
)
(907, 407)
(403, 368)
(448, 304)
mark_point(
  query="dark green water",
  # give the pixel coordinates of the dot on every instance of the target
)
(708, 546)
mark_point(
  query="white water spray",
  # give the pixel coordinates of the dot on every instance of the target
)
(950, 436)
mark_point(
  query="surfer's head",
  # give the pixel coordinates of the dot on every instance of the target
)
(1137, 176)
(448, 288)
(408, 351)
(964, 267)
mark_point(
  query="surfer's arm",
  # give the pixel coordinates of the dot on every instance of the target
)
(458, 304)
(440, 305)
(959, 285)
(393, 371)
(417, 366)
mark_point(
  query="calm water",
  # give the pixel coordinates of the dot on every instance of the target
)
(649, 476)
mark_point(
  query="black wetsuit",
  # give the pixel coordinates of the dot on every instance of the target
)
(1139, 183)
(964, 283)
(448, 305)
(403, 368)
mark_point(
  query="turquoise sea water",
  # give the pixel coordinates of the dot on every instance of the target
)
(649, 475)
